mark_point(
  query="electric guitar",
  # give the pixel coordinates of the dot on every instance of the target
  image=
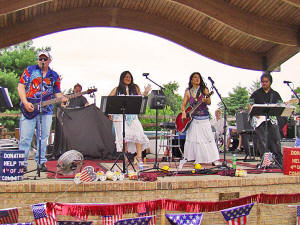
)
(183, 124)
(36, 102)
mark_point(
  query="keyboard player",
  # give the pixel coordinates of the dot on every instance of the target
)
(268, 136)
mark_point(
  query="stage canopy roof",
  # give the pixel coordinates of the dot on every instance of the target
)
(252, 34)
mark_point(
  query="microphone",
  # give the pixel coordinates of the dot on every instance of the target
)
(145, 74)
(211, 80)
(287, 82)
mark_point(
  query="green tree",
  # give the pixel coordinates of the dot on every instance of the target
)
(173, 100)
(236, 100)
(16, 58)
(152, 112)
(254, 86)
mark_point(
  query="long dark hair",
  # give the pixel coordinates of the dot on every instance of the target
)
(121, 89)
(202, 84)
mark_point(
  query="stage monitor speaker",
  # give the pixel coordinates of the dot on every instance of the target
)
(157, 100)
(242, 122)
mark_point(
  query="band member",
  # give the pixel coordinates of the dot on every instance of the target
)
(136, 140)
(218, 124)
(200, 143)
(267, 132)
(79, 101)
(29, 86)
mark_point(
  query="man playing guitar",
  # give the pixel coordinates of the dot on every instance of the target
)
(266, 95)
(200, 143)
(29, 87)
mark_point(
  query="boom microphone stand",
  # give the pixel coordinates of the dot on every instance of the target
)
(224, 163)
(159, 103)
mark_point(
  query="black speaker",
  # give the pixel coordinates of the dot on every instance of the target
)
(242, 122)
(157, 99)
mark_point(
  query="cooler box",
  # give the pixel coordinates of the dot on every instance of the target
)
(291, 161)
(11, 165)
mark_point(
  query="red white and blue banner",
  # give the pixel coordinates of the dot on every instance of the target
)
(237, 215)
(298, 214)
(135, 221)
(185, 219)
(151, 213)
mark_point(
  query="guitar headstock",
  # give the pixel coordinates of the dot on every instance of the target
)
(91, 90)
(209, 94)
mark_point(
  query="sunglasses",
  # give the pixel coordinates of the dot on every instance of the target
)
(43, 59)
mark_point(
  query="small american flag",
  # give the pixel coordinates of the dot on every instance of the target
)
(88, 174)
(111, 220)
(267, 159)
(150, 213)
(40, 215)
(298, 214)
(9, 215)
(237, 215)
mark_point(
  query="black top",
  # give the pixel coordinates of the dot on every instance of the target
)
(77, 102)
(261, 97)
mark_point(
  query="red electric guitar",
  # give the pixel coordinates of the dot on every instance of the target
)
(183, 124)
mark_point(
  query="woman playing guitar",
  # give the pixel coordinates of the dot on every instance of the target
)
(200, 144)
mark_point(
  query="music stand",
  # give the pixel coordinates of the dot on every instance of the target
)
(270, 110)
(123, 105)
(5, 101)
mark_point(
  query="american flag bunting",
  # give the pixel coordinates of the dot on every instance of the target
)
(150, 213)
(298, 214)
(237, 215)
(185, 219)
(135, 221)
(9, 215)
(111, 220)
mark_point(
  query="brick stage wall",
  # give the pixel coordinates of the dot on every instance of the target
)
(25, 193)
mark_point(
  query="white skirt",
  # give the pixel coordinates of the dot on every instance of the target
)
(134, 133)
(200, 143)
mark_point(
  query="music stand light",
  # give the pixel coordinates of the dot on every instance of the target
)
(123, 105)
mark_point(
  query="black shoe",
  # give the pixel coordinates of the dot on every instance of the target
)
(43, 168)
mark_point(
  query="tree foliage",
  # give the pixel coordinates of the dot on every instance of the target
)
(173, 100)
(236, 100)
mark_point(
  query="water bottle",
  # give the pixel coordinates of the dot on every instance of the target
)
(234, 161)
(140, 165)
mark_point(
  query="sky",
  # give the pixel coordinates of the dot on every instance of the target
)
(97, 56)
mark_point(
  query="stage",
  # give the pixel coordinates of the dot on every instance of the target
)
(195, 188)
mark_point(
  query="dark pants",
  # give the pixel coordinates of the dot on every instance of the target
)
(246, 138)
(270, 134)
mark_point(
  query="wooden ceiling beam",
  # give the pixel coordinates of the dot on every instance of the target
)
(135, 20)
(247, 23)
(279, 54)
(7, 6)
(295, 3)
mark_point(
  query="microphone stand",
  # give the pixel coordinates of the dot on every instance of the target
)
(288, 84)
(41, 119)
(224, 163)
(156, 165)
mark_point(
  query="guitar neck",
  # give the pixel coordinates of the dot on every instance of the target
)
(55, 100)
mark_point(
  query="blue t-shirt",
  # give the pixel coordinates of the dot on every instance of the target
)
(32, 77)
